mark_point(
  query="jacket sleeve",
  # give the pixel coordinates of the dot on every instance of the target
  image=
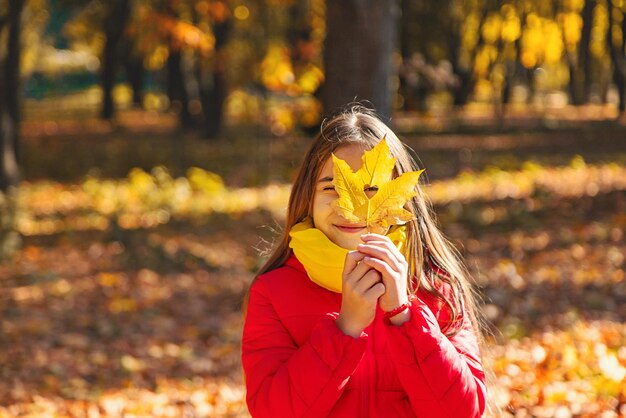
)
(284, 380)
(442, 376)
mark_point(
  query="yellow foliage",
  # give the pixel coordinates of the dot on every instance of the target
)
(205, 181)
(309, 110)
(572, 26)
(511, 30)
(573, 5)
(310, 79)
(276, 70)
(553, 44)
(486, 56)
(241, 12)
(491, 28)
(541, 42)
(156, 59)
(122, 94)
(148, 199)
(471, 31)
(532, 42)
(528, 59)
(241, 107)
(511, 26)
(598, 46)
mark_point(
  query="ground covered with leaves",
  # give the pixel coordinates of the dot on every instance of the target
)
(126, 297)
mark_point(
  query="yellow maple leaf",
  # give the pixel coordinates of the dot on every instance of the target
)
(352, 200)
(377, 167)
(386, 206)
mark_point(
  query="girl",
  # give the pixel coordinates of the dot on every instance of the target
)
(342, 323)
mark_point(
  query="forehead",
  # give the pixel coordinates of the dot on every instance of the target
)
(352, 154)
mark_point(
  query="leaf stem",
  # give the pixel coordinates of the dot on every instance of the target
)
(368, 215)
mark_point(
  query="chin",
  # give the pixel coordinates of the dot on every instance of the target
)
(348, 244)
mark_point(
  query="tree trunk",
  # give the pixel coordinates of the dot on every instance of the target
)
(176, 87)
(9, 99)
(620, 82)
(214, 93)
(465, 74)
(621, 86)
(213, 99)
(114, 26)
(360, 41)
(405, 52)
(135, 72)
(9, 125)
(618, 58)
(529, 76)
(514, 69)
(580, 68)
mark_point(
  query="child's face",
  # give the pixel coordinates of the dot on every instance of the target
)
(325, 218)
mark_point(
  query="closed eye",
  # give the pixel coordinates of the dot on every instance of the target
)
(367, 189)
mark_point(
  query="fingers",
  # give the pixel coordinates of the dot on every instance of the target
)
(354, 269)
(352, 260)
(381, 252)
(371, 286)
(383, 256)
(360, 277)
(380, 266)
(376, 291)
(382, 247)
(377, 237)
(368, 280)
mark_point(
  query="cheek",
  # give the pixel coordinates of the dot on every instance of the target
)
(322, 206)
(314, 211)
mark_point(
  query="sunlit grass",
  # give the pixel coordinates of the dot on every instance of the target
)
(147, 199)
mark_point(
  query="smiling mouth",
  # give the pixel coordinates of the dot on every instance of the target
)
(350, 228)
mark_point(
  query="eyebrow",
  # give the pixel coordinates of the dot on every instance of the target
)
(323, 179)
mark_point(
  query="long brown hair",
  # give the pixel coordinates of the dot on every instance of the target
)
(434, 264)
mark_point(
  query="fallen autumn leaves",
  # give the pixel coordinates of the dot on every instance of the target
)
(126, 298)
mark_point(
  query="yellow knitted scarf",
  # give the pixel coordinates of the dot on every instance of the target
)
(323, 259)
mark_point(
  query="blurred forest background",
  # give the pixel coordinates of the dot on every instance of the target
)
(147, 152)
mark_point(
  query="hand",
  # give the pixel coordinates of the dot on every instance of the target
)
(381, 254)
(361, 288)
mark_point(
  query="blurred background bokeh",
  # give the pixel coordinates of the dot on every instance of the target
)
(148, 148)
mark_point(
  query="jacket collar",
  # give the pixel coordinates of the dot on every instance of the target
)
(293, 262)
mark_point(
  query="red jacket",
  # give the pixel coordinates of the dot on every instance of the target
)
(299, 364)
